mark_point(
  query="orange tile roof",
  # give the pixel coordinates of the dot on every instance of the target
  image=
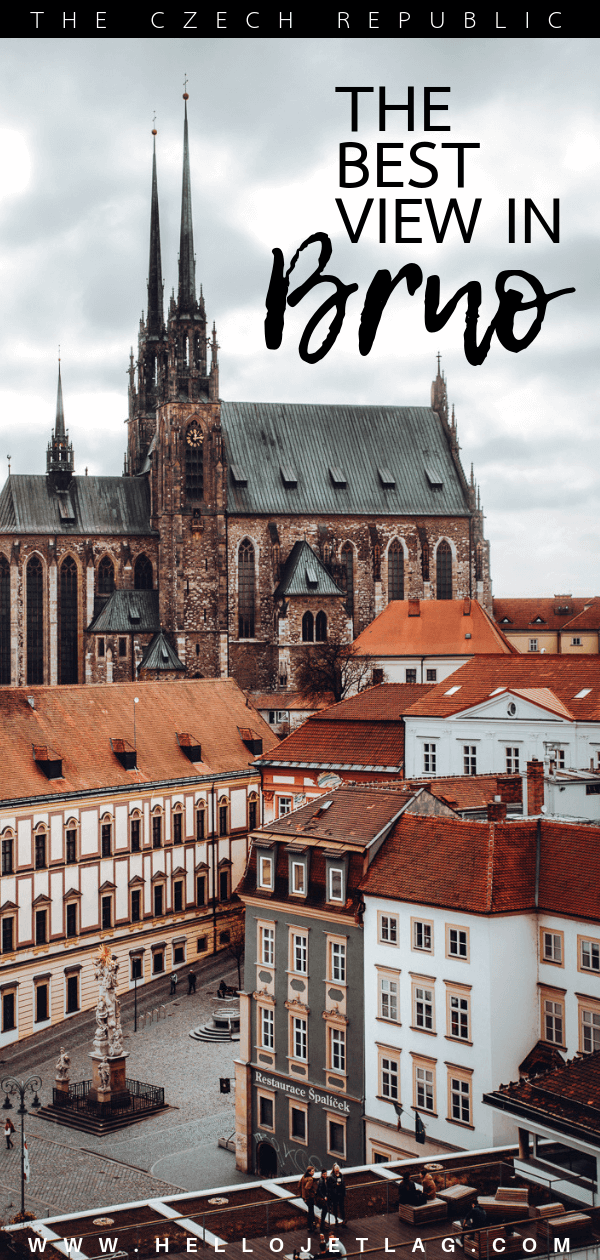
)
(385, 702)
(438, 630)
(589, 619)
(472, 791)
(357, 814)
(372, 745)
(488, 868)
(293, 700)
(563, 675)
(522, 614)
(78, 723)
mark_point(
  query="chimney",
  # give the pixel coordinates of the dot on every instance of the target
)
(535, 786)
(414, 608)
(466, 607)
(496, 810)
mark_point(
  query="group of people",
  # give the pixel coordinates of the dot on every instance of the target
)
(191, 982)
(328, 1193)
(408, 1192)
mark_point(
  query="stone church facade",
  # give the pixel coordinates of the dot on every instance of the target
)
(239, 532)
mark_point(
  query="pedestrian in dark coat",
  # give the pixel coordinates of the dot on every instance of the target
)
(322, 1196)
(336, 1195)
(191, 982)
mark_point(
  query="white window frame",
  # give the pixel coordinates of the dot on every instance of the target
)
(513, 759)
(459, 1015)
(470, 758)
(389, 997)
(424, 929)
(300, 1038)
(592, 953)
(424, 1088)
(389, 1077)
(429, 757)
(337, 961)
(553, 947)
(533, 645)
(337, 1049)
(299, 952)
(460, 1096)
(298, 866)
(388, 928)
(267, 1027)
(424, 998)
(335, 870)
(590, 1029)
(267, 946)
(265, 860)
(460, 953)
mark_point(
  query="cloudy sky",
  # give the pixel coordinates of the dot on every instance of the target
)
(265, 127)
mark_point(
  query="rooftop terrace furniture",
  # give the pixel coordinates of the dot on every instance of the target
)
(571, 1225)
(479, 1243)
(508, 1203)
(420, 1214)
(458, 1195)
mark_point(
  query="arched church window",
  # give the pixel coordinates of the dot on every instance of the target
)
(35, 621)
(444, 570)
(4, 621)
(321, 627)
(106, 576)
(479, 563)
(194, 463)
(308, 628)
(395, 571)
(246, 584)
(143, 577)
(67, 629)
(348, 576)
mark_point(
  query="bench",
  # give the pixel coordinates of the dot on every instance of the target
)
(421, 1213)
(479, 1243)
(509, 1202)
(458, 1195)
(563, 1225)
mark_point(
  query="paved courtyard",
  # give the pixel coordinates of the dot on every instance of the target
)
(175, 1150)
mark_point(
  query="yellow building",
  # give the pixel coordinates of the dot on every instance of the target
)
(560, 625)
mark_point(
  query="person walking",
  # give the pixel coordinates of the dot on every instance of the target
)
(9, 1129)
(336, 1195)
(191, 982)
(174, 979)
(308, 1193)
(322, 1197)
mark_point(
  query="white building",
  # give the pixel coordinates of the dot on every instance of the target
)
(474, 967)
(497, 713)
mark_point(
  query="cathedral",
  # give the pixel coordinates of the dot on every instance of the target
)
(239, 533)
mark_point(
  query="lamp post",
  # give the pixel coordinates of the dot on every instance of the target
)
(135, 980)
(10, 1085)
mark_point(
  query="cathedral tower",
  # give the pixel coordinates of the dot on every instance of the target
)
(59, 455)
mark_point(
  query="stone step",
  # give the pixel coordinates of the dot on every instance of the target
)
(86, 1123)
(212, 1034)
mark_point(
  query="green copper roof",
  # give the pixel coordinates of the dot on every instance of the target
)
(304, 574)
(160, 655)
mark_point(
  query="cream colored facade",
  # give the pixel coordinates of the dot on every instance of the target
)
(148, 869)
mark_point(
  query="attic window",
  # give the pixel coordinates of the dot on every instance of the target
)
(338, 478)
(49, 762)
(387, 479)
(252, 741)
(585, 691)
(66, 511)
(312, 576)
(288, 476)
(125, 753)
(452, 690)
(164, 653)
(190, 746)
(134, 615)
(539, 621)
(322, 809)
(506, 621)
(238, 475)
(434, 478)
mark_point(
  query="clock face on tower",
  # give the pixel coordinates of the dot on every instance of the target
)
(194, 437)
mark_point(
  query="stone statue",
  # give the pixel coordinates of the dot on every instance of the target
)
(104, 1073)
(63, 1064)
(109, 1034)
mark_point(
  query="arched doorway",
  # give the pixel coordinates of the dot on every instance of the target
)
(266, 1159)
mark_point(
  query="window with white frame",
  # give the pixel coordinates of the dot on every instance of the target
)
(338, 961)
(459, 1016)
(265, 871)
(457, 942)
(422, 935)
(299, 1038)
(459, 1090)
(424, 1088)
(553, 1013)
(336, 883)
(576, 641)
(299, 952)
(552, 947)
(558, 756)
(389, 1073)
(336, 1137)
(470, 758)
(388, 997)
(267, 945)
(337, 1049)
(533, 645)
(589, 955)
(267, 1027)
(299, 878)
(429, 758)
(423, 1007)
(388, 929)
(512, 760)
(590, 1030)
(284, 806)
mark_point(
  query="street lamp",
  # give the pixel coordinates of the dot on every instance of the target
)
(10, 1085)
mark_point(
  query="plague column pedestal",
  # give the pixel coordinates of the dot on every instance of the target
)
(116, 1091)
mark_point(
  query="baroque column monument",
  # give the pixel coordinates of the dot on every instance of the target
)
(108, 1057)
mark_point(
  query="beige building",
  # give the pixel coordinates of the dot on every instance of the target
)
(124, 813)
(563, 624)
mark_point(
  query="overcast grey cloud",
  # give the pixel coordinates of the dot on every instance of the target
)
(265, 125)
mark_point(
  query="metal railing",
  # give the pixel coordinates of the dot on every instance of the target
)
(137, 1096)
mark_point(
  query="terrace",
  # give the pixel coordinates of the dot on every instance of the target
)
(523, 1218)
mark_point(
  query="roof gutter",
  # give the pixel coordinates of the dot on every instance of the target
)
(121, 788)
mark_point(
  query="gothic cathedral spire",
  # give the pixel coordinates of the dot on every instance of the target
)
(59, 455)
(186, 302)
(155, 323)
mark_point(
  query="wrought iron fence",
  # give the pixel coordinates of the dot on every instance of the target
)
(137, 1096)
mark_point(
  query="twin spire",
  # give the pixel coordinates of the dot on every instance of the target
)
(187, 303)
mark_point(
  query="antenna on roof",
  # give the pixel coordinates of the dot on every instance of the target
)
(136, 700)
(9, 457)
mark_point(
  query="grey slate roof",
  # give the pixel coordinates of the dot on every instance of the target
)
(102, 505)
(160, 655)
(128, 611)
(321, 445)
(304, 574)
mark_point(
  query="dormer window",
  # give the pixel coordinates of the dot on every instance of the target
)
(265, 871)
(299, 879)
(336, 883)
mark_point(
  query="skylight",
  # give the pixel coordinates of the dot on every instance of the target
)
(387, 478)
(452, 690)
(338, 478)
(497, 690)
(585, 691)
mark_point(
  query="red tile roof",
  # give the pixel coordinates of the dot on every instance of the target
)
(464, 791)
(357, 814)
(589, 619)
(488, 868)
(566, 1098)
(438, 630)
(386, 701)
(522, 614)
(564, 676)
(78, 723)
(293, 700)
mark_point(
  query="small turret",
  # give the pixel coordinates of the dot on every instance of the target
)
(59, 456)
